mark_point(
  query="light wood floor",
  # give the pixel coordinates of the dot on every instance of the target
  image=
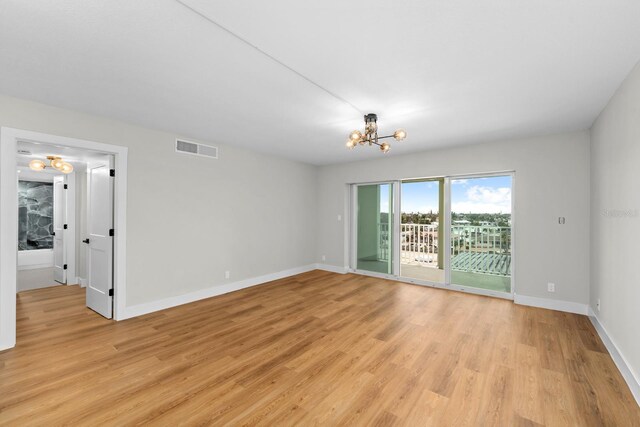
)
(317, 348)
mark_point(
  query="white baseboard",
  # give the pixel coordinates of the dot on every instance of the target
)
(552, 304)
(150, 307)
(332, 268)
(81, 281)
(633, 380)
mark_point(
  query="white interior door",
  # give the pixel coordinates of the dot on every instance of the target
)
(59, 230)
(100, 231)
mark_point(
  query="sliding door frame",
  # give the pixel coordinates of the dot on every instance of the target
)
(397, 215)
(353, 225)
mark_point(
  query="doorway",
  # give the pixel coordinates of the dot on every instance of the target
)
(453, 232)
(79, 235)
(103, 201)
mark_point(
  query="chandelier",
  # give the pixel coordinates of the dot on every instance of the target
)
(54, 161)
(370, 135)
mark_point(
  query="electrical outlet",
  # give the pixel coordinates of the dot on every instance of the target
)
(551, 287)
(227, 274)
(598, 305)
(324, 257)
(339, 217)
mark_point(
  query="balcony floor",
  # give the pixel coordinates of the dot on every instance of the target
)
(419, 272)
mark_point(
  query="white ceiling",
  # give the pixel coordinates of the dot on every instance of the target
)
(292, 78)
(28, 151)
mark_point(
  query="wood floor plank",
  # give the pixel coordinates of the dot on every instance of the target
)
(314, 349)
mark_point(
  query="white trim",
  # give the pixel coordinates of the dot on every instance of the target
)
(352, 234)
(395, 211)
(332, 268)
(347, 217)
(9, 240)
(446, 223)
(552, 304)
(82, 282)
(632, 379)
(9, 221)
(514, 240)
(70, 233)
(150, 307)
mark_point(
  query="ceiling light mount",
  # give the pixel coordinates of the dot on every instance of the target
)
(370, 135)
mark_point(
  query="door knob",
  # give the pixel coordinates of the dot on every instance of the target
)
(86, 241)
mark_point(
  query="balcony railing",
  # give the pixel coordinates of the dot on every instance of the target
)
(419, 244)
(479, 249)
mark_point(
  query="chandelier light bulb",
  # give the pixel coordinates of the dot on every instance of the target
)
(400, 134)
(56, 163)
(351, 144)
(355, 136)
(37, 165)
(66, 168)
(385, 147)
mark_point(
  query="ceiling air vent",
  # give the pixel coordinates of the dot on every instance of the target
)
(195, 149)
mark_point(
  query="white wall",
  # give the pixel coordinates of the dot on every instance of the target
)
(35, 279)
(615, 219)
(190, 219)
(552, 180)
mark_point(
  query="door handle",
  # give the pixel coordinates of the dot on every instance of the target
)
(53, 233)
(86, 241)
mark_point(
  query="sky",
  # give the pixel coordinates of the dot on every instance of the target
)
(473, 195)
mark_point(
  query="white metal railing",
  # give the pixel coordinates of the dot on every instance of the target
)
(483, 249)
(419, 244)
(481, 238)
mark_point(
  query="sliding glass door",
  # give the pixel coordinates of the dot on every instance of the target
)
(374, 241)
(453, 232)
(422, 230)
(481, 232)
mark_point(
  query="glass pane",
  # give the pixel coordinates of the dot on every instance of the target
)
(422, 204)
(35, 215)
(375, 219)
(481, 233)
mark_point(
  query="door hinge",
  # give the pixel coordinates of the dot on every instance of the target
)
(111, 292)
(65, 226)
(66, 187)
(64, 267)
(112, 172)
(111, 232)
